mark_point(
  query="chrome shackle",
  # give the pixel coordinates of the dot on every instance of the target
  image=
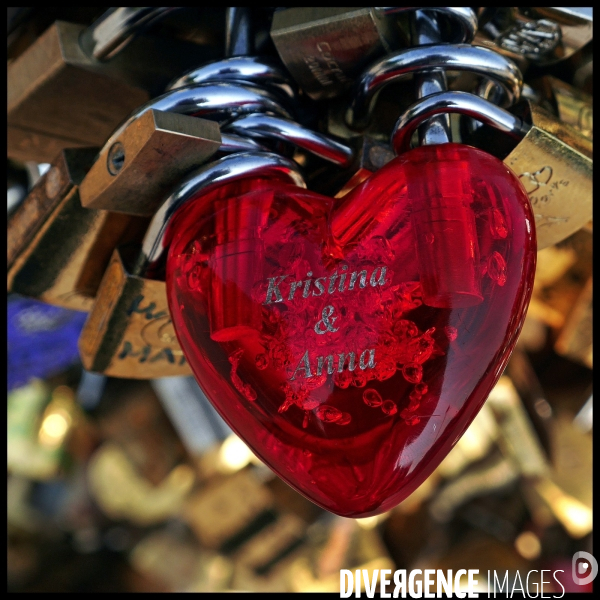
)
(262, 72)
(431, 58)
(463, 103)
(244, 71)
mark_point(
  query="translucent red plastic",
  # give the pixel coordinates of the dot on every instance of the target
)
(351, 342)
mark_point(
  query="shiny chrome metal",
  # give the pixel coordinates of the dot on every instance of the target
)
(262, 72)
(454, 102)
(265, 126)
(426, 30)
(238, 31)
(218, 101)
(235, 143)
(110, 33)
(460, 57)
(205, 179)
(214, 101)
(463, 17)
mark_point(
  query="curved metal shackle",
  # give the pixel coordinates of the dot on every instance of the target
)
(463, 103)
(230, 142)
(216, 101)
(462, 16)
(260, 126)
(260, 71)
(208, 177)
(113, 30)
(447, 57)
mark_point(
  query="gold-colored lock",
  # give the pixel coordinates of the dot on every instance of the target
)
(129, 331)
(575, 339)
(571, 105)
(554, 163)
(74, 85)
(57, 250)
(137, 166)
(372, 156)
(552, 159)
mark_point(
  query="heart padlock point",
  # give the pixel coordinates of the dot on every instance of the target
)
(350, 345)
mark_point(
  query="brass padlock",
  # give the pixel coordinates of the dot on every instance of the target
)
(56, 249)
(129, 331)
(373, 155)
(64, 94)
(136, 168)
(569, 104)
(552, 159)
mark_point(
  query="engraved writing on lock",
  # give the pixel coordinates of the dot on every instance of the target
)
(540, 188)
(337, 282)
(274, 292)
(322, 75)
(326, 321)
(163, 333)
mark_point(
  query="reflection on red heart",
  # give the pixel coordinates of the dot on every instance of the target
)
(350, 345)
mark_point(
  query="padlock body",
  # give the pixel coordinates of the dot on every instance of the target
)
(137, 168)
(325, 48)
(571, 105)
(554, 163)
(311, 323)
(128, 332)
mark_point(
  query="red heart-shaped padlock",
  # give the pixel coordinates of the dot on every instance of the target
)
(351, 344)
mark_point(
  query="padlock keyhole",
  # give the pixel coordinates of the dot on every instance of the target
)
(116, 158)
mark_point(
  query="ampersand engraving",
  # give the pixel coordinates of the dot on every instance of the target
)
(327, 321)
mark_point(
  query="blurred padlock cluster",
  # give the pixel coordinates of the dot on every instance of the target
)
(121, 474)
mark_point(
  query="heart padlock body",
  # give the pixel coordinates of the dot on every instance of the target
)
(350, 343)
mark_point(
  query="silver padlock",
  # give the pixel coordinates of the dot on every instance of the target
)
(325, 48)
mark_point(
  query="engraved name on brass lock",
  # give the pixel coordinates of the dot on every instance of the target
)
(129, 331)
(56, 249)
(135, 169)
